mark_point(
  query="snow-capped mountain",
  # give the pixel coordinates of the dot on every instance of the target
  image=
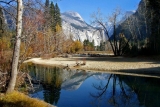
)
(73, 24)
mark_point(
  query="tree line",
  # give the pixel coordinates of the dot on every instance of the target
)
(39, 33)
(36, 32)
(137, 35)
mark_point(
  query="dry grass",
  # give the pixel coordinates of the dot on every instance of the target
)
(48, 56)
(17, 99)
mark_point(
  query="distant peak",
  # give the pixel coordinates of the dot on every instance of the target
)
(74, 14)
(130, 12)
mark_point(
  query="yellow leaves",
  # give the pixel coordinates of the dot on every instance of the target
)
(27, 52)
(78, 46)
(58, 82)
(22, 48)
(75, 47)
(5, 53)
(58, 28)
(5, 43)
(48, 78)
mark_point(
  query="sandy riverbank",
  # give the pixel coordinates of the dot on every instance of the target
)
(118, 64)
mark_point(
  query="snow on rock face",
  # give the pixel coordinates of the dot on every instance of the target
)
(73, 24)
(73, 80)
(74, 15)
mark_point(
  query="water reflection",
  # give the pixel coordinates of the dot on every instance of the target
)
(75, 88)
(51, 81)
(54, 79)
(114, 93)
(147, 90)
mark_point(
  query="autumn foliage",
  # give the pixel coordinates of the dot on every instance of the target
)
(74, 46)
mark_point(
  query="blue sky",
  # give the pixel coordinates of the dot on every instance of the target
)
(86, 7)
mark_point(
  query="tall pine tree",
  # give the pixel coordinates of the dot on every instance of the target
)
(46, 13)
(47, 4)
(52, 17)
(58, 15)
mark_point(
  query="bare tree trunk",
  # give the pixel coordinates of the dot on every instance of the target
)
(114, 38)
(16, 50)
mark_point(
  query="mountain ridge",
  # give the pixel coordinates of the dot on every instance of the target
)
(136, 24)
(73, 23)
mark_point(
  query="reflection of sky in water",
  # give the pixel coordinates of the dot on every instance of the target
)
(78, 92)
(66, 88)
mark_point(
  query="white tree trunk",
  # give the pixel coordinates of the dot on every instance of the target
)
(16, 50)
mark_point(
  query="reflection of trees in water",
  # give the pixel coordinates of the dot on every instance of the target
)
(51, 82)
(52, 86)
(114, 93)
(147, 90)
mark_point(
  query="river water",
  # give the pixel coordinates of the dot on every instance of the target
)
(77, 88)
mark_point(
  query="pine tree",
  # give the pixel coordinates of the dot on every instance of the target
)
(47, 3)
(46, 12)
(46, 7)
(58, 15)
(52, 15)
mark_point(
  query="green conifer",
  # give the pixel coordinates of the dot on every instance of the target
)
(57, 15)
(52, 15)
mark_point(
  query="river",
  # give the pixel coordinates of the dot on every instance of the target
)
(77, 88)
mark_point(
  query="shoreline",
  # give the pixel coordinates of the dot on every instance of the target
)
(120, 65)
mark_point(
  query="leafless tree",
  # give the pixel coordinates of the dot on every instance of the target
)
(111, 24)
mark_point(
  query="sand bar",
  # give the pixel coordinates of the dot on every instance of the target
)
(106, 64)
